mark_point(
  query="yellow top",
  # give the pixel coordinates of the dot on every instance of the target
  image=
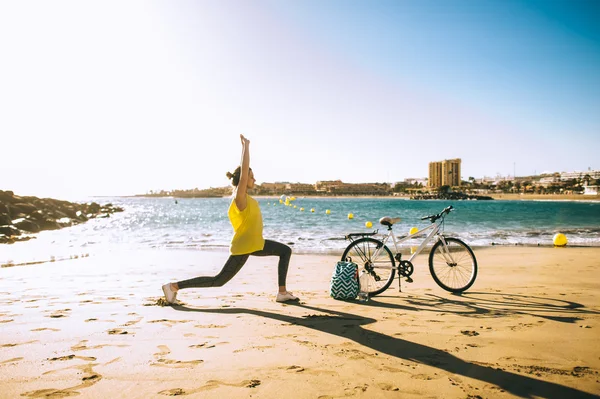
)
(247, 227)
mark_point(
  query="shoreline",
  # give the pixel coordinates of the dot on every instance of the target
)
(405, 251)
(505, 197)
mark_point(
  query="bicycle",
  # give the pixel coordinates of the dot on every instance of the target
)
(452, 263)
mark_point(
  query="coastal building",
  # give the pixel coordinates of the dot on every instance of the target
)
(590, 190)
(548, 180)
(360, 189)
(594, 174)
(300, 188)
(274, 187)
(444, 173)
(415, 181)
(327, 185)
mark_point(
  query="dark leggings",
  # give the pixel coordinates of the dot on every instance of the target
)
(235, 263)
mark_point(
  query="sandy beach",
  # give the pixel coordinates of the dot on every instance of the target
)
(94, 327)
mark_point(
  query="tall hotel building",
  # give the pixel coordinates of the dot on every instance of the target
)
(444, 173)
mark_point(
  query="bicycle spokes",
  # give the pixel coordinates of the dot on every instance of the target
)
(452, 265)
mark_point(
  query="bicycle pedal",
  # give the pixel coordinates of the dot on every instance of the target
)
(409, 280)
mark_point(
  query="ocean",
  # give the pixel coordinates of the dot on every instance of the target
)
(202, 224)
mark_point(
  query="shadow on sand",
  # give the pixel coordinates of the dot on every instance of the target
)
(348, 326)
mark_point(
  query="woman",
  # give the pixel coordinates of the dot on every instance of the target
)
(246, 219)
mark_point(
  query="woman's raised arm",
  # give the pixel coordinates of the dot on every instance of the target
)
(242, 188)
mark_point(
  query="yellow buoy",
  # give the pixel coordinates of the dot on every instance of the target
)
(327, 211)
(350, 216)
(312, 209)
(413, 231)
(301, 209)
(560, 240)
(294, 206)
(281, 201)
(368, 225)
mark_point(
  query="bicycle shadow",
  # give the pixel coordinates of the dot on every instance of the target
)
(492, 305)
(348, 326)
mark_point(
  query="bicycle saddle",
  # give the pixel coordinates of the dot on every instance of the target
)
(388, 221)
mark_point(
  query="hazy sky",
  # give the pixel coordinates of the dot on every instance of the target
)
(121, 97)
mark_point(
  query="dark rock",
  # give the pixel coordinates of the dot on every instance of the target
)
(8, 230)
(14, 212)
(32, 214)
(26, 225)
(70, 212)
(5, 219)
(7, 196)
(93, 208)
(49, 224)
(81, 216)
(24, 208)
(37, 216)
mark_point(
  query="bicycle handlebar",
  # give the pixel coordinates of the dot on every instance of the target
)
(443, 213)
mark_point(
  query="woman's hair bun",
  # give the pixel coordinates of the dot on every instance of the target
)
(229, 175)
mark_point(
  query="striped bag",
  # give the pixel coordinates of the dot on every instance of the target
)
(344, 281)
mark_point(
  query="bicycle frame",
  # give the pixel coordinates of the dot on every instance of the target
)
(435, 229)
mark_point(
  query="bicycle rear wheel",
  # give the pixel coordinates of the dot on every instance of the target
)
(453, 265)
(368, 254)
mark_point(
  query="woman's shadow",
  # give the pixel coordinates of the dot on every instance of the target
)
(348, 326)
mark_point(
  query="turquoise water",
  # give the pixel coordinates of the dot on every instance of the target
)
(203, 224)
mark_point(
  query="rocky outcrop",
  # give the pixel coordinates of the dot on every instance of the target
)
(20, 217)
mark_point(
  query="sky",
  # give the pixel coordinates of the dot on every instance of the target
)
(123, 97)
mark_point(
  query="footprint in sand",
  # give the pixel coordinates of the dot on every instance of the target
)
(522, 326)
(204, 345)
(132, 322)
(169, 323)
(295, 369)
(45, 328)
(60, 313)
(300, 369)
(117, 331)
(211, 384)
(210, 326)
(164, 350)
(22, 343)
(162, 362)
(88, 379)
(13, 360)
(160, 302)
(387, 387)
(70, 357)
(174, 392)
(469, 333)
(81, 346)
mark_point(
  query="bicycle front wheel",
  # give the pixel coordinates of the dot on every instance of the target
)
(373, 256)
(452, 265)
